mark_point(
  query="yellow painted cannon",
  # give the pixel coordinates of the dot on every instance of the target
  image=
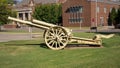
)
(57, 37)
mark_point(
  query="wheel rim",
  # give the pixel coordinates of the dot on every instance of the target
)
(56, 38)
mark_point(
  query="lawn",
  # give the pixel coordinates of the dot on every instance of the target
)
(34, 54)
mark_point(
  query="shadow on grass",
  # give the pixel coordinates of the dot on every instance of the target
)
(106, 33)
(43, 45)
(81, 45)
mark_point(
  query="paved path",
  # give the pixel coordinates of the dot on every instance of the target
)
(4, 37)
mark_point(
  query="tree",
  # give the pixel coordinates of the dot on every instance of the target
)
(113, 15)
(13, 1)
(117, 19)
(109, 20)
(5, 11)
(51, 13)
(10, 1)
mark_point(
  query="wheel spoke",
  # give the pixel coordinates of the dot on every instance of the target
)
(53, 43)
(59, 44)
(61, 34)
(60, 31)
(62, 44)
(65, 36)
(56, 44)
(53, 31)
(50, 42)
(50, 33)
(64, 40)
(49, 37)
(56, 31)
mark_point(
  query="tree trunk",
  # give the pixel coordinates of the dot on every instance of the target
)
(0, 27)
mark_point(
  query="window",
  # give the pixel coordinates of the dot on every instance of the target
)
(76, 20)
(105, 10)
(80, 9)
(74, 14)
(101, 21)
(110, 9)
(76, 9)
(98, 9)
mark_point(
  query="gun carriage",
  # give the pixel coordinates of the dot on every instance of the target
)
(57, 37)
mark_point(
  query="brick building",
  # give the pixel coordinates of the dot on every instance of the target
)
(87, 12)
(74, 12)
(24, 9)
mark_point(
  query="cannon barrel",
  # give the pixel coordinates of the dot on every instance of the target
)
(28, 23)
(50, 25)
(43, 23)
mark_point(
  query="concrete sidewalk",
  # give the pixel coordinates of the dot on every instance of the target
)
(5, 37)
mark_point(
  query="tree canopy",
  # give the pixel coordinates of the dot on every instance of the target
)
(114, 17)
(117, 19)
(109, 20)
(13, 1)
(5, 11)
(51, 13)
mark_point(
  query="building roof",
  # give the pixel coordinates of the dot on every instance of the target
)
(24, 2)
(108, 1)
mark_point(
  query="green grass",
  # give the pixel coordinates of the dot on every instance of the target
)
(32, 54)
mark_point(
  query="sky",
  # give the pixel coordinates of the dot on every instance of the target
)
(19, 0)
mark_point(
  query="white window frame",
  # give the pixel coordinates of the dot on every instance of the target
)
(98, 9)
(105, 10)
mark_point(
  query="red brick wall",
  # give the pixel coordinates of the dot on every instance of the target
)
(86, 12)
(101, 12)
(10, 26)
(89, 12)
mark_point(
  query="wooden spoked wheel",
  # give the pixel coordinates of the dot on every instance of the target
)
(56, 38)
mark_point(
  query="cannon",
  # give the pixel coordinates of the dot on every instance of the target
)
(57, 37)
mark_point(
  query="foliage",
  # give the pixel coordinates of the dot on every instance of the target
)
(10, 1)
(117, 19)
(113, 15)
(109, 20)
(51, 13)
(5, 11)
(13, 1)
